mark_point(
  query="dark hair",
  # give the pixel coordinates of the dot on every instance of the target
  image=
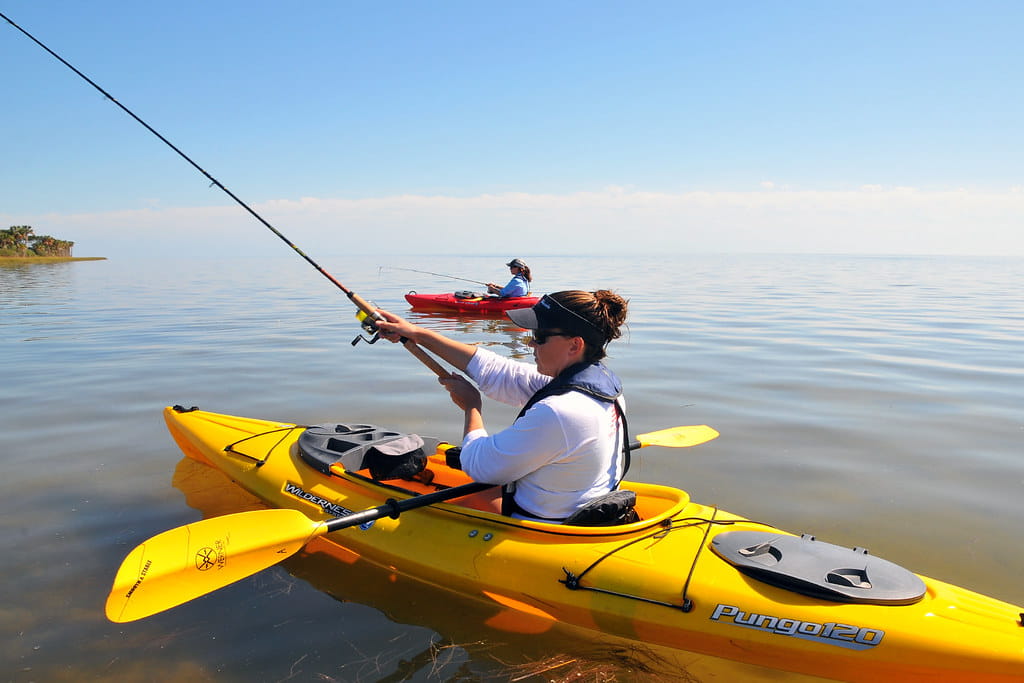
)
(602, 313)
(521, 265)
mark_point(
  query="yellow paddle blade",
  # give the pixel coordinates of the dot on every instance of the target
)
(192, 560)
(678, 437)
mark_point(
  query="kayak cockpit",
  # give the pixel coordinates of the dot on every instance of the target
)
(365, 451)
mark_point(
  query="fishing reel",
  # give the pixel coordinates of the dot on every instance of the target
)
(369, 326)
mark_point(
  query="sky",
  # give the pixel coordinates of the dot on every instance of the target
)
(872, 127)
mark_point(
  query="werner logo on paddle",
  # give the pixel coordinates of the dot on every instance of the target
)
(207, 558)
(831, 633)
(330, 508)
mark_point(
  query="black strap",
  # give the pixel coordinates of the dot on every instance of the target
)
(627, 459)
(509, 506)
(508, 491)
(508, 499)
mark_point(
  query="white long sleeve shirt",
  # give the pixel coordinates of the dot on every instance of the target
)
(565, 451)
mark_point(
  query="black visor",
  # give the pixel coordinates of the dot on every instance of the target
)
(548, 314)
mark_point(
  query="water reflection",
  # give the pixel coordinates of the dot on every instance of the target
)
(36, 284)
(497, 333)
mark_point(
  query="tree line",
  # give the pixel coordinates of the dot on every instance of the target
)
(19, 240)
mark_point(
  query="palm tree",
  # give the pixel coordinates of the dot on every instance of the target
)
(44, 245)
(20, 234)
(17, 240)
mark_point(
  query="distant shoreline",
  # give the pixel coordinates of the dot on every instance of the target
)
(48, 259)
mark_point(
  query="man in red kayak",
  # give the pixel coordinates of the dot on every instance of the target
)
(519, 285)
(567, 447)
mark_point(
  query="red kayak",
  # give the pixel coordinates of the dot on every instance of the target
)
(471, 302)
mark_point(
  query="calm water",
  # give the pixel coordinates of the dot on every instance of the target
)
(871, 401)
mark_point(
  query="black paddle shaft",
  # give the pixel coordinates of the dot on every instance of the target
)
(393, 508)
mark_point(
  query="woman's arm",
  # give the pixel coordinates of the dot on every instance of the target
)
(517, 286)
(467, 397)
(394, 328)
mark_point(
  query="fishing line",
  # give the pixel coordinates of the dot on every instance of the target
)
(361, 303)
(427, 272)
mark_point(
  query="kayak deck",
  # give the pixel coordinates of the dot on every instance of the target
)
(658, 580)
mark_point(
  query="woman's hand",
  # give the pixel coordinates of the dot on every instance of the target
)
(394, 327)
(463, 393)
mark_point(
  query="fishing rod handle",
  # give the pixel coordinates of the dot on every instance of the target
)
(425, 358)
(363, 305)
(412, 347)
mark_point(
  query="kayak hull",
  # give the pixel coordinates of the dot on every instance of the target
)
(450, 302)
(656, 581)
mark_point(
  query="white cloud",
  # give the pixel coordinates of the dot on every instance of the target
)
(871, 219)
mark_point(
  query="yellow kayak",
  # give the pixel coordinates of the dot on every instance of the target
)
(685, 576)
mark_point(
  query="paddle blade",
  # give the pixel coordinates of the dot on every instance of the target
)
(678, 437)
(182, 564)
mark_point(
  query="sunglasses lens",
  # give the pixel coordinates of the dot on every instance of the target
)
(541, 336)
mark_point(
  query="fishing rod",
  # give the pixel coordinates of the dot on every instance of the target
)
(427, 272)
(370, 314)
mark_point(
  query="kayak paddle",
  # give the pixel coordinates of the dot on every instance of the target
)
(189, 561)
(675, 437)
(184, 563)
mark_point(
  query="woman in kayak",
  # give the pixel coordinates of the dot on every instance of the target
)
(567, 447)
(519, 285)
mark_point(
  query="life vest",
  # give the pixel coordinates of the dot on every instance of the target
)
(593, 379)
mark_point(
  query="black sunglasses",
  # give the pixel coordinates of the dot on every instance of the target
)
(542, 336)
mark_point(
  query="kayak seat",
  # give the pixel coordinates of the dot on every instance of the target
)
(612, 509)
